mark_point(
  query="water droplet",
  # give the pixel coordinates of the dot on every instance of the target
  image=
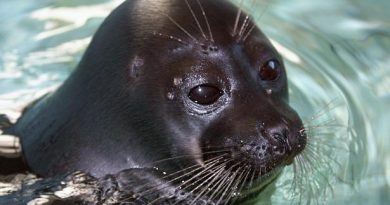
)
(170, 96)
(177, 81)
(135, 66)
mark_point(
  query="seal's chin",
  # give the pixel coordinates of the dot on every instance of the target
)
(261, 182)
(253, 177)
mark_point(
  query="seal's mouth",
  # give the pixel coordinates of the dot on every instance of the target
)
(250, 175)
(241, 168)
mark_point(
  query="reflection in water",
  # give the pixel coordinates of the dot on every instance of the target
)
(337, 54)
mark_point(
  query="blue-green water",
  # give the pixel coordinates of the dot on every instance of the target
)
(337, 56)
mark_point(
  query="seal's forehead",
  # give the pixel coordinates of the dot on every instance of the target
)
(192, 21)
(206, 19)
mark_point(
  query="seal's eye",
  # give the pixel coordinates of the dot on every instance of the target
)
(205, 94)
(270, 71)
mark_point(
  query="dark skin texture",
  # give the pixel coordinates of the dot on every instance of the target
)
(138, 97)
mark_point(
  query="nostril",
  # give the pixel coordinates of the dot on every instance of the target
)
(260, 155)
(281, 142)
(279, 137)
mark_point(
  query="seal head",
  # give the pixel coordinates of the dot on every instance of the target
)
(188, 87)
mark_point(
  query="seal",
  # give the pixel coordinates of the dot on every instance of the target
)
(189, 88)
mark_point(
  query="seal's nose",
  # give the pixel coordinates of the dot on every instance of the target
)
(285, 139)
(272, 145)
(265, 137)
(281, 147)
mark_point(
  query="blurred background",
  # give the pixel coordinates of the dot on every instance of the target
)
(337, 55)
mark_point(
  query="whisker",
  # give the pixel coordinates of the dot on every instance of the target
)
(253, 176)
(243, 26)
(206, 20)
(180, 27)
(254, 22)
(310, 152)
(313, 142)
(297, 170)
(328, 106)
(316, 128)
(210, 163)
(185, 183)
(242, 181)
(210, 173)
(214, 178)
(329, 168)
(320, 124)
(317, 181)
(233, 190)
(228, 186)
(237, 19)
(186, 156)
(217, 185)
(295, 174)
(317, 134)
(222, 181)
(305, 164)
(196, 20)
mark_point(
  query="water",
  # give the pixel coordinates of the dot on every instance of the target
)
(337, 56)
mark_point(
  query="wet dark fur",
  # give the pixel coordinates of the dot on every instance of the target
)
(127, 106)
